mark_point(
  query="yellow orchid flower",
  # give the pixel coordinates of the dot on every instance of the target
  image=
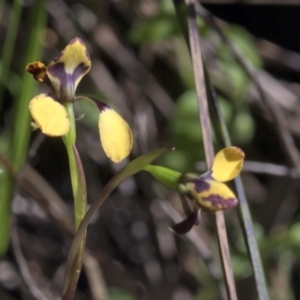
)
(63, 73)
(203, 192)
(208, 190)
(62, 76)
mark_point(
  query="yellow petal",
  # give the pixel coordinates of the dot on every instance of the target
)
(115, 135)
(227, 164)
(66, 71)
(211, 195)
(49, 115)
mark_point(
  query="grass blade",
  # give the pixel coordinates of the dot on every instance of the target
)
(21, 129)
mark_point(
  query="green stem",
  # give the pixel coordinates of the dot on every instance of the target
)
(76, 171)
(167, 176)
(132, 168)
(69, 141)
(19, 139)
(80, 196)
(71, 136)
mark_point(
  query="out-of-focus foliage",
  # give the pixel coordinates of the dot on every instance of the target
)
(184, 129)
(116, 294)
(156, 29)
(141, 67)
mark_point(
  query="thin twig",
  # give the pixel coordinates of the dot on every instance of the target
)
(207, 139)
(21, 261)
(244, 211)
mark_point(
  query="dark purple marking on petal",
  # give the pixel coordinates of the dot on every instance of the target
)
(200, 185)
(79, 70)
(66, 90)
(101, 105)
(217, 200)
(67, 80)
(58, 71)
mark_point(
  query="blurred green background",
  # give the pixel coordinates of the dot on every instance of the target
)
(141, 67)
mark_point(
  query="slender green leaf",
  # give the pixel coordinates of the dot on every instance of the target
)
(132, 168)
(21, 129)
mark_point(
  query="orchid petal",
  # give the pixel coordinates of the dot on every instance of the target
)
(49, 115)
(66, 71)
(115, 134)
(187, 224)
(227, 164)
(211, 195)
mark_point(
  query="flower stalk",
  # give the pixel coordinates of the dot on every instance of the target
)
(80, 195)
(53, 114)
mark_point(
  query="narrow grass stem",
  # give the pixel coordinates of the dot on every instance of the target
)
(195, 48)
(244, 211)
(224, 140)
